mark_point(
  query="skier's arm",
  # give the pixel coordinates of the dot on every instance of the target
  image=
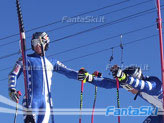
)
(96, 79)
(62, 69)
(104, 82)
(152, 86)
(14, 74)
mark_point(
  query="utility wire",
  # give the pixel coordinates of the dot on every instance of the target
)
(92, 43)
(100, 51)
(8, 43)
(95, 28)
(138, 4)
(110, 23)
(100, 41)
(3, 69)
(55, 22)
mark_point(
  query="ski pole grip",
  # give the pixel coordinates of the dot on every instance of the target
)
(19, 93)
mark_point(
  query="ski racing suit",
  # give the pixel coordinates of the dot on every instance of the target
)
(150, 89)
(38, 76)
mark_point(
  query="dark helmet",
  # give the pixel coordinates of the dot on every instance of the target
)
(36, 39)
(134, 72)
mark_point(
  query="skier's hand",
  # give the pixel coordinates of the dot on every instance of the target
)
(118, 73)
(29, 119)
(97, 74)
(84, 76)
(14, 95)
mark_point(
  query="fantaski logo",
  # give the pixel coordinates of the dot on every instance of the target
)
(130, 111)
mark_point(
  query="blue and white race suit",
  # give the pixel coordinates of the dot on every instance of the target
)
(37, 86)
(150, 89)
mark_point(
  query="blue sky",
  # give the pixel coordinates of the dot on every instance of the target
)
(66, 92)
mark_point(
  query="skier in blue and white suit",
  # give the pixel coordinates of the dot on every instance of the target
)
(38, 77)
(132, 79)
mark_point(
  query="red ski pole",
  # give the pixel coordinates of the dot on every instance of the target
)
(118, 100)
(94, 104)
(159, 23)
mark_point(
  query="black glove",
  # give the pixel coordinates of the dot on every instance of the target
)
(81, 74)
(97, 74)
(118, 73)
(14, 95)
(84, 76)
(29, 119)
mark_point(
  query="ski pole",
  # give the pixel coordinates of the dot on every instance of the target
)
(118, 100)
(81, 96)
(81, 99)
(97, 74)
(94, 103)
(16, 112)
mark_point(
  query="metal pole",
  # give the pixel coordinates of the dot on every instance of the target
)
(81, 100)
(159, 23)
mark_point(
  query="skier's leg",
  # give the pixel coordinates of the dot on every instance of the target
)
(24, 105)
(154, 119)
(28, 118)
(44, 118)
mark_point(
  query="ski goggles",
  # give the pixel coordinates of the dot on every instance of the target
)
(36, 42)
